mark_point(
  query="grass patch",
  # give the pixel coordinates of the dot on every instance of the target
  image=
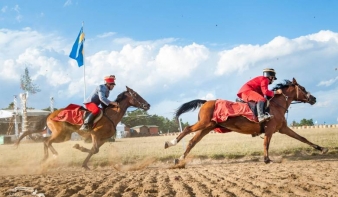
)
(212, 146)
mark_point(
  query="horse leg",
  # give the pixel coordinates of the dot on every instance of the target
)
(287, 131)
(48, 145)
(45, 148)
(81, 148)
(189, 129)
(95, 149)
(267, 140)
(198, 136)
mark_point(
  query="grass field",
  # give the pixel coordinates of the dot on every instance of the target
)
(212, 146)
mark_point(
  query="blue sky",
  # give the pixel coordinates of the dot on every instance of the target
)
(171, 52)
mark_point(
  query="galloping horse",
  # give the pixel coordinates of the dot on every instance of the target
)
(279, 105)
(105, 128)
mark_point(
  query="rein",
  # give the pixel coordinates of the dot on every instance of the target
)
(286, 109)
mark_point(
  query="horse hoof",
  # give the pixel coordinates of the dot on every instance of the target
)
(86, 168)
(166, 145)
(324, 150)
(176, 161)
(267, 161)
(77, 146)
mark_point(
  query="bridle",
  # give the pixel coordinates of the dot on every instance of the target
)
(140, 104)
(133, 95)
(297, 99)
(307, 100)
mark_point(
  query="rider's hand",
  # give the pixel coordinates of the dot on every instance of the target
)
(278, 91)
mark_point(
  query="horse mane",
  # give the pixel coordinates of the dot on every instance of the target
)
(287, 83)
(120, 97)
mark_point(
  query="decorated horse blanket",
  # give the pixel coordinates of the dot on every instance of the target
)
(71, 114)
(225, 109)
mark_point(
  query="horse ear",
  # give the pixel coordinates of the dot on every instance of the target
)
(294, 81)
(127, 88)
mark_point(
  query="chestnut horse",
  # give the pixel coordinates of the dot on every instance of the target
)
(279, 105)
(104, 129)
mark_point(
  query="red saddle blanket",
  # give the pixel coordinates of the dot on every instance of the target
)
(72, 114)
(225, 109)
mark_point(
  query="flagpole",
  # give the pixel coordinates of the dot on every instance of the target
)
(84, 70)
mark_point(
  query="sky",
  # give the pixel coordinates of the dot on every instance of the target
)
(170, 52)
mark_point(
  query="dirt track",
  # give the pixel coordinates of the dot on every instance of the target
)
(315, 177)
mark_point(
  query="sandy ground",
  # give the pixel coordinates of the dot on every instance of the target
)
(317, 176)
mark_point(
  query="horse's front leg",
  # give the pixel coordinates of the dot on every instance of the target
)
(81, 148)
(287, 131)
(95, 149)
(267, 140)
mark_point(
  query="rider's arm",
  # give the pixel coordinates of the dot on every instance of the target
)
(264, 88)
(102, 94)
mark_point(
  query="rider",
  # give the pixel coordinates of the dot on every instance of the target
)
(99, 96)
(255, 90)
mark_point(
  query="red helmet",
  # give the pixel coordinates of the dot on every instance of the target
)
(110, 79)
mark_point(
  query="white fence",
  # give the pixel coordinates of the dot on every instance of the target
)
(316, 126)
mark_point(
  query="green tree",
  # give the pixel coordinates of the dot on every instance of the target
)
(303, 122)
(139, 117)
(27, 84)
(10, 106)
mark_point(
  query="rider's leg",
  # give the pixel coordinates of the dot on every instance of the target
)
(260, 112)
(260, 100)
(88, 122)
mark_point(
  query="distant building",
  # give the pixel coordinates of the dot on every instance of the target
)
(144, 130)
(121, 131)
(36, 120)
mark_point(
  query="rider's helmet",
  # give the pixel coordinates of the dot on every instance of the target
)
(269, 72)
(110, 79)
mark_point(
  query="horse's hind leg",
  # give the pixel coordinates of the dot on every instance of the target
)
(198, 136)
(48, 145)
(45, 149)
(187, 130)
(287, 131)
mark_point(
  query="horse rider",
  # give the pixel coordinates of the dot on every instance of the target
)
(255, 90)
(98, 97)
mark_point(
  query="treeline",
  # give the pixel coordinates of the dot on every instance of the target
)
(140, 117)
(303, 122)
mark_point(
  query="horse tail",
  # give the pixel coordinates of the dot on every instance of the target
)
(191, 105)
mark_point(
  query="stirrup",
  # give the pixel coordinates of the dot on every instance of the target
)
(84, 127)
(263, 118)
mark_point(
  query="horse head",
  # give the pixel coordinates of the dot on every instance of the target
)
(302, 95)
(133, 99)
(296, 92)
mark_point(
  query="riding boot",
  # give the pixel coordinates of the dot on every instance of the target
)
(88, 122)
(260, 112)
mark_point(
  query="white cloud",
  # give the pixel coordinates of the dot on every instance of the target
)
(167, 74)
(245, 57)
(67, 3)
(105, 35)
(328, 83)
(4, 9)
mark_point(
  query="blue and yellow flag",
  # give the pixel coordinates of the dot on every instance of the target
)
(77, 50)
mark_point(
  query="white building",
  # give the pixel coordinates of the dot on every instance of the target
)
(120, 132)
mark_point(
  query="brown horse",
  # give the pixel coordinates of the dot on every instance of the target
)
(279, 105)
(105, 128)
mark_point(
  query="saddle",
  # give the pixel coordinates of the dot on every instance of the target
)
(252, 105)
(75, 115)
